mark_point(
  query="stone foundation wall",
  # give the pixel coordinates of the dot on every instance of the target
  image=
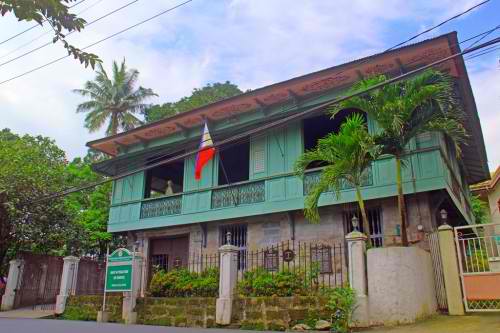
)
(86, 307)
(180, 312)
(277, 313)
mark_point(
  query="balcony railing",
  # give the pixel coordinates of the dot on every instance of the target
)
(239, 194)
(163, 206)
(312, 178)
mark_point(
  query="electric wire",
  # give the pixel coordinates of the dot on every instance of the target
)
(71, 32)
(98, 42)
(159, 157)
(34, 26)
(275, 124)
(47, 32)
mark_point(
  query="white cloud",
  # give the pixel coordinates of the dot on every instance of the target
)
(252, 43)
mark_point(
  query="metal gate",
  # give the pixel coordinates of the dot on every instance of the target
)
(478, 248)
(39, 281)
(437, 267)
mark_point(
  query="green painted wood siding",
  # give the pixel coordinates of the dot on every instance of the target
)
(272, 186)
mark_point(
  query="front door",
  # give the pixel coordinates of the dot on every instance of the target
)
(169, 253)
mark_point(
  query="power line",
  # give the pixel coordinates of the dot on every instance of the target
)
(440, 24)
(98, 42)
(161, 13)
(170, 153)
(33, 27)
(47, 32)
(276, 124)
(50, 43)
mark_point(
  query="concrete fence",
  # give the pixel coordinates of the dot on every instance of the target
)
(393, 285)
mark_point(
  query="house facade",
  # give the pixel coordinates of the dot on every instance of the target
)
(254, 193)
(489, 192)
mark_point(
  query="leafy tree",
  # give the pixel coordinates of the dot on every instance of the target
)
(30, 167)
(210, 93)
(113, 99)
(89, 208)
(56, 14)
(402, 110)
(347, 156)
(479, 209)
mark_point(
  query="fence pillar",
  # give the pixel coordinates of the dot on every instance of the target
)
(227, 283)
(68, 282)
(15, 272)
(449, 258)
(130, 298)
(356, 251)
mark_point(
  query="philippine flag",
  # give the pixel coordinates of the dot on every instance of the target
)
(206, 153)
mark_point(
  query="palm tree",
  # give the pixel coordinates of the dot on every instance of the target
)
(402, 110)
(113, 99)
(347, 156)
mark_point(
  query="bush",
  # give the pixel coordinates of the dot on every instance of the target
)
(183, 283)
(341, 302)
(261, 282)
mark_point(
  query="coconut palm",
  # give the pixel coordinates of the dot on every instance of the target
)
(402, 110)
(114, 100)
(347, 156)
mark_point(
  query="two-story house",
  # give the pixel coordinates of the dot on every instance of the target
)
(256, 196)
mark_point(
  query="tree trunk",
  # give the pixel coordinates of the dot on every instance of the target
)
(401, 202)
(114, 123)
(366, 224)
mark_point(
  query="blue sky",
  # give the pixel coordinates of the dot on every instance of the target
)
(251, 43)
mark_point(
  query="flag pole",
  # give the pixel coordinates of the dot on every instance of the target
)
(227, 180)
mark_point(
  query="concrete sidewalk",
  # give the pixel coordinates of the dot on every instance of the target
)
(27, 313)
(484, 322)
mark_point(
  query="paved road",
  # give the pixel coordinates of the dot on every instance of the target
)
(488, 323)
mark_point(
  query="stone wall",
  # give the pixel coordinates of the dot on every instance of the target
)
(86, 307)
(181, 312)
(277, 313)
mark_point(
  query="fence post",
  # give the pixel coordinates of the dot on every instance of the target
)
(130, 298)
(356, 251)
(68, 282)
(15, 272)
(227, 283)
(449, 259)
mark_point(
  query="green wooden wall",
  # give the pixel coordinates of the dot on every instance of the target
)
(432, 166)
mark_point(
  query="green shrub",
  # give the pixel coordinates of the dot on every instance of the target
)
(261, 282)
(341, 304)
(183, 283)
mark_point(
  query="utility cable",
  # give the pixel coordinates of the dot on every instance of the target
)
(33, 27)
(71, 32)
(276, 124)
(46, 32)
(98, 42)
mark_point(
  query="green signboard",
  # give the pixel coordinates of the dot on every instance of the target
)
(119, 278)
(119, 271)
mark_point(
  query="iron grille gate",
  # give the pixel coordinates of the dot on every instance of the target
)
(437, 267)
(39, 281)
(478, 248)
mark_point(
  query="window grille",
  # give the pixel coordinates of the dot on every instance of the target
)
(374, 222)
(321, 255)
(159, 262)
(238, 238)
(271, 260)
